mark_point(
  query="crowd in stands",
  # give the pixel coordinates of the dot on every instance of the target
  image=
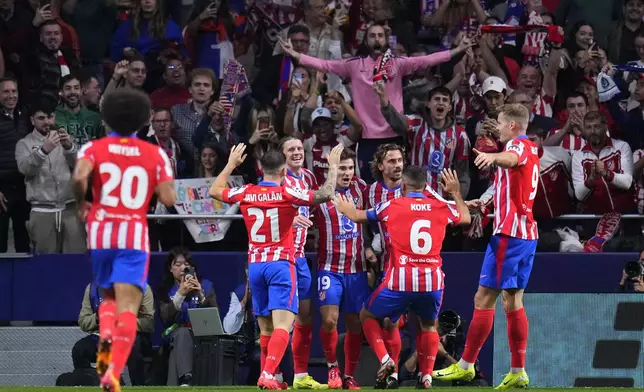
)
(583, 85)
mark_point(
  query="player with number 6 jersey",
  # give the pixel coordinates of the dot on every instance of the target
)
(269, 209)
(510, 253)
(126, 173)
(415, 225)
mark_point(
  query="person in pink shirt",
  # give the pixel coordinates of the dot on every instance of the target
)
(360, 71)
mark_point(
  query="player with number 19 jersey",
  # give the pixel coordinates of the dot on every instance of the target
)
(126, 172)
(510, 253)
(268, 210)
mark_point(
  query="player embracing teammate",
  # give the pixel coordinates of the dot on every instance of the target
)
(269, 210)
(510, 253)
(414, 226)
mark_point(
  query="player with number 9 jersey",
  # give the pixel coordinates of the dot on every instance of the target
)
(125, 174)
(508, 259)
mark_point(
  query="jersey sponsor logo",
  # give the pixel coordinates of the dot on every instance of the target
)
(100, 214)
(518, 147)
(262, 197)
(403, 259)
(348, 226)
(436, 161)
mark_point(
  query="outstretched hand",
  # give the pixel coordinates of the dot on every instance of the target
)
(334, 156)
(343, 204)
(237, 155)
(449, 181)
(287, 47)
(483, 160)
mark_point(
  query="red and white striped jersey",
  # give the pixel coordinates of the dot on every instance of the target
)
(126, 172)
(304, 182)
(542, 105)
(435, 150)
(515, 190)
(416, 227)
(375, 194)
(571, 141)
(268, 210)
(341, 240)
(316, 153)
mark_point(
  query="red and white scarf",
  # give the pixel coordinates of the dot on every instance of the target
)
(64, 68)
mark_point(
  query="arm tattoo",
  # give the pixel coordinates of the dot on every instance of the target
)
(326, 191)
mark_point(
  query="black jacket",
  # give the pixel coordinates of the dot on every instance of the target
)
(11, 130)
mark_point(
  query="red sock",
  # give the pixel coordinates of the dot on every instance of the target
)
(329, 344)
(122, 341)
(373, 333)
(263, 346)
(429, 341)
(301, 346)
(352, 346)
(517, 336)
(477, 333)
(394, 344)
(420, 357)
(106, 318)
(276, 348)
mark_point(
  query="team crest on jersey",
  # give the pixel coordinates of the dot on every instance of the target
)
(403, 260)
(450, 143)
(348, 226)
(554, 175)
(609, 165)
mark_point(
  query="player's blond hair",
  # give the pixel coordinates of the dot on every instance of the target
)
(516, 112)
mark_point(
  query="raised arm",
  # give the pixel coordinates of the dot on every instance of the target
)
(451, 185)
(409, 65)
(327, 191)
(338, 67)
(236, 158)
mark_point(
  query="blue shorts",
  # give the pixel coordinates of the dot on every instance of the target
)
(347, 291)
(303, 278)
(273, 286)
(120, 266)
(393, 304)
(379, 279)
(507, 263)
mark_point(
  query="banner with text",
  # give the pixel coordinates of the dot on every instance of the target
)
(193, 198)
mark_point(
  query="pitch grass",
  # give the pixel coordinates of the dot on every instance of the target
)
(249, 389)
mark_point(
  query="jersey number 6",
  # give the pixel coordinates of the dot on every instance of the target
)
(416, 236)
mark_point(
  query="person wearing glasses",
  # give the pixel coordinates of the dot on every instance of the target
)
(175, 91)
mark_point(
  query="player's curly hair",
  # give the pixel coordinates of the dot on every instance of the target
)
(125, 110)
(379, 158)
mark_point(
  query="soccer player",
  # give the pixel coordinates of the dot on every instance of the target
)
(302, 179)
(126, 172)
(416, 226)
(387, 169)
(269, 210)
(342, 276)
(510, 253)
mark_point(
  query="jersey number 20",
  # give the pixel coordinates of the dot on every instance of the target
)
(132, 198)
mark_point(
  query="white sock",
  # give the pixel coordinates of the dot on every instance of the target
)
(394, 375)
(426, 377)
(299, 376)
(330, 365)
(516, 370)
(267, 375)
(464, 364)
(279, 377)
(384, 359)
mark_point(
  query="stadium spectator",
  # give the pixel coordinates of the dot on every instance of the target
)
(211, 131)
(91, 93)
(174, 92)
(202, 85)
(79, 122)
(570, 136)
(13, 202)
(131, 73)
(623, 32)
(84, 350)
(46, 157)
(44, 64)
(160, 132)
(182, 289)
(602, 171)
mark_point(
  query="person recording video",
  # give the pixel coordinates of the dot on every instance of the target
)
(633, 276)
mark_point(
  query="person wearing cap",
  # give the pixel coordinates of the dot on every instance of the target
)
(318, 146)
(379, 66)
(483, 131)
